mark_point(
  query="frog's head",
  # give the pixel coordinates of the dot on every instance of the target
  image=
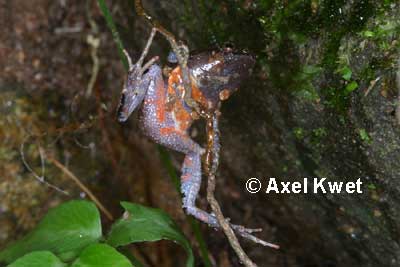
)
(135, 87)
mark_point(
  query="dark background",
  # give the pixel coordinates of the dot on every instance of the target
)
(298, 116)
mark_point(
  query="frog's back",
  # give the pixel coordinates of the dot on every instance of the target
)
(217, 75)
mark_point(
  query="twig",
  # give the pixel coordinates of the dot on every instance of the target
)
(181, 51)
(81, 186)
(68, 30)
(94, 41)
(212, 160)
(371, 85)
(40, 178)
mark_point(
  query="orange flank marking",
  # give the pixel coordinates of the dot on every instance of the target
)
(182, 116)
(175, 78)
(171, 130)
(160, 103)
(198, 95)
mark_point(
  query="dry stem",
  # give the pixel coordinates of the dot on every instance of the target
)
(94, 41)
(40, 178)
(213, 148)
(81, 186)
(63, 168)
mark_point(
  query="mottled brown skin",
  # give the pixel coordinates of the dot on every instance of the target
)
(218, 72)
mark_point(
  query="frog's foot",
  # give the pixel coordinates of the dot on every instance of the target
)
(211, 220)
(191, 181)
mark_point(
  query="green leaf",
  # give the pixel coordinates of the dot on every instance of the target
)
(365, 136)
(351, 87)
(101, 255)
(147, 224)
(346, 73)
(308, 92)
(64, 230)
(38, 259)
(368, 34)
(312, 69)
(298, 133)
(371, 186)
(128, 253)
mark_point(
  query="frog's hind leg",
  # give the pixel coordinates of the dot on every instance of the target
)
(191, 171)
(190, 186)
(191, 179)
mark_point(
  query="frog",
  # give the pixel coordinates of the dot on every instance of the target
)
(166, 118)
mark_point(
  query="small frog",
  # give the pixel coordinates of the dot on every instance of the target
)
(166, 118)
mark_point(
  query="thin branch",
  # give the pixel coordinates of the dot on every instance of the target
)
(40, 178)
(141, 12)
(94, 41)
(371, 86)
(147, 47)
(81, 186)
(212, 160)
(181, 51)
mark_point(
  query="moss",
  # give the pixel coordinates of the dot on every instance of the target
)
(365, 136)
(371, 186)
(317, 137)
(298, 133)
(277, 30)
(320, 132)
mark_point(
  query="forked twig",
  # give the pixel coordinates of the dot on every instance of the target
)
(181, 51)
(59, 165)
(212, 161)
(40, 178)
